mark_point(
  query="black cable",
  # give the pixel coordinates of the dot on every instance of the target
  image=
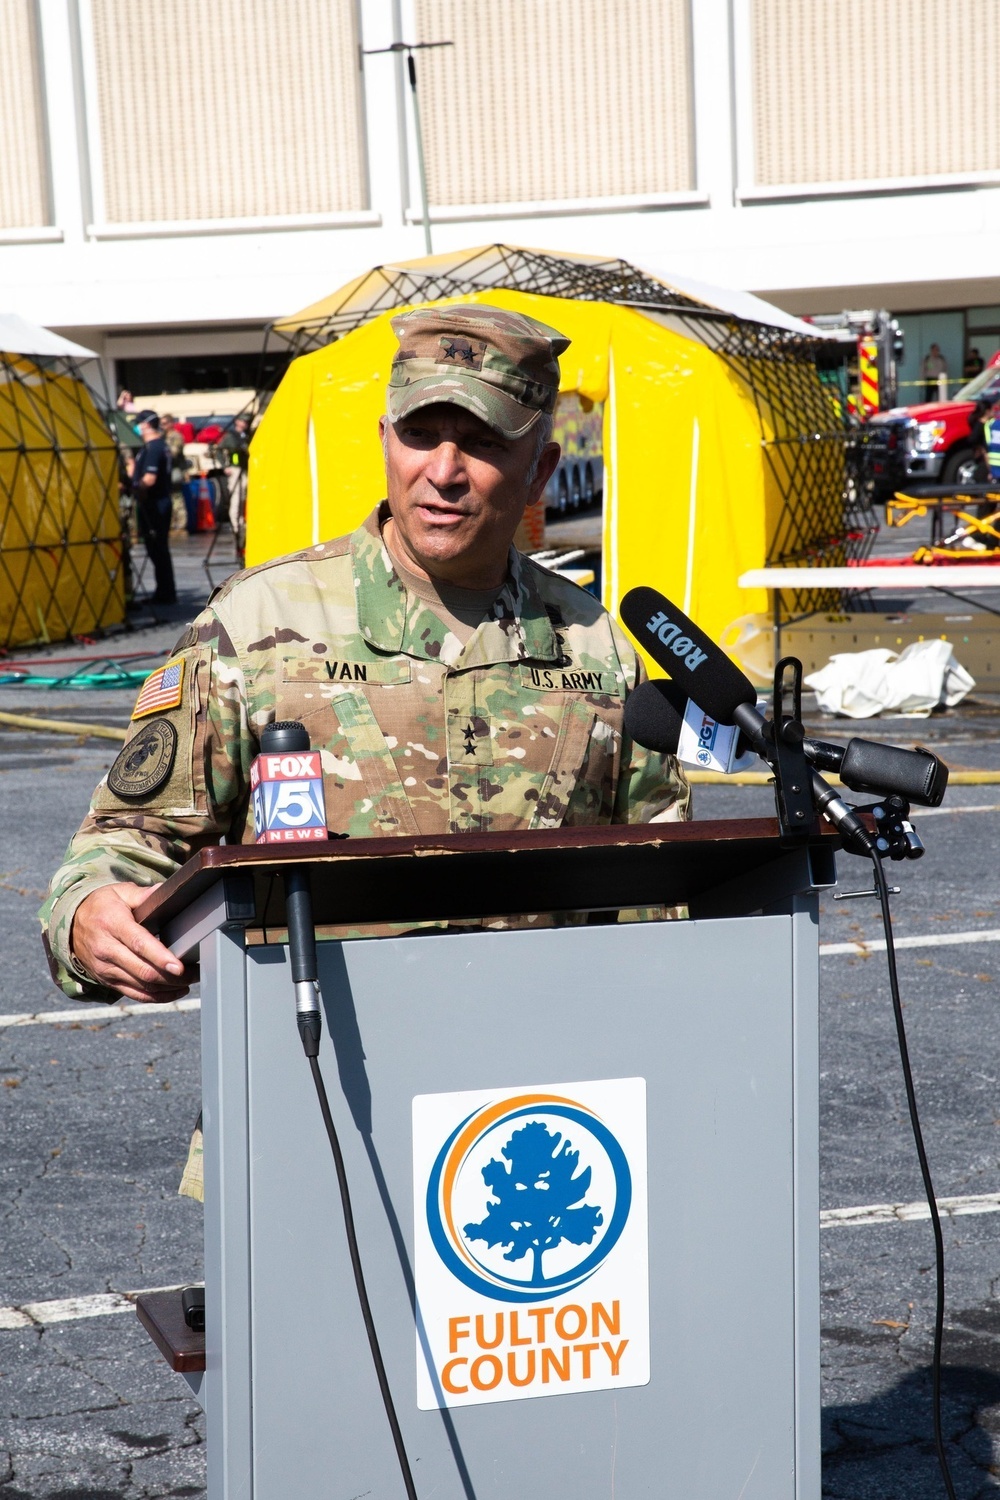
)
(359, 1282)
(925, 1172)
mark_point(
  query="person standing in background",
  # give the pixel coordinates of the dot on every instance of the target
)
(235, 446)
(178, 467)
(149, 472)
(974, 363)
(934, 371)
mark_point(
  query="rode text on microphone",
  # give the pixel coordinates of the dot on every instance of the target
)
(673, 636)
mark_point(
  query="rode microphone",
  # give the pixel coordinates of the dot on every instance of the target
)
(702, 668)
(703, 671)
(286, 785)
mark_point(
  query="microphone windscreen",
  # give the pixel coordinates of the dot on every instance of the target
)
(652, 717)
(916, 775)
(701, 669)
(283, 735)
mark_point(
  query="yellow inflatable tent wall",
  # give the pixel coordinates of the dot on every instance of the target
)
(60, 535)
(691, 500)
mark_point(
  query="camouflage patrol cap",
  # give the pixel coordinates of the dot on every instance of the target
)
(501, 366)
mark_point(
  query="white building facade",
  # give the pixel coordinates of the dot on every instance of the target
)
(174, 174)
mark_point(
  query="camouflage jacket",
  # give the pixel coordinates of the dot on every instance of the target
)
(520, 728)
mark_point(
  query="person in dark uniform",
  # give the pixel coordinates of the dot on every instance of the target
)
(149, 472)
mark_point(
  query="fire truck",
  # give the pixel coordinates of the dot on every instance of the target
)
(873, 343)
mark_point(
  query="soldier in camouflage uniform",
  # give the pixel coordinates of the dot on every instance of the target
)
(451, 684)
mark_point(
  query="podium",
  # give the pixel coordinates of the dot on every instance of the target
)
(583, 1162)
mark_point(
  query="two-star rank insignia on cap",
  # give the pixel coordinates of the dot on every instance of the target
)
(466, 352)
(161, 690)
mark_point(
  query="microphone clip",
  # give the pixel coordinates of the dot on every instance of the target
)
(895, 835)
(793, 791)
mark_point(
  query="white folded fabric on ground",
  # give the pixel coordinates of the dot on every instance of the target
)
(863, 684)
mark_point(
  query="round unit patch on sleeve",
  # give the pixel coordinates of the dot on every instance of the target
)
(145, 763)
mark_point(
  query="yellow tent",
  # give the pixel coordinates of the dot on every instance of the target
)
(60, 535)
(716, 422)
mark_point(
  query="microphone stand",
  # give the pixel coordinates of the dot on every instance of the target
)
(780, 742)
(798, 820)
(801, 793)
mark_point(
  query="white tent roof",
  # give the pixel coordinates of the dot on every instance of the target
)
(743, 304)
(18, 336)
(484, 266)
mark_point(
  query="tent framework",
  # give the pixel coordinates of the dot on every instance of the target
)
(825, 517)
(61, 562)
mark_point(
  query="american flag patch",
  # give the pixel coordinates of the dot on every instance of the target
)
(161, 690)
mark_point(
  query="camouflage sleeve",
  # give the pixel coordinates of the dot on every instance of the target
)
(652, 787)
(198, 792)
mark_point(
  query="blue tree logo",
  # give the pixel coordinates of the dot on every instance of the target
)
(537, 1198)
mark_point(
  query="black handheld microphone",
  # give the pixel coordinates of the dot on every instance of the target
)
(883, 770)
(289, 738)
(656, 714)
(719, 687)
(652, 717)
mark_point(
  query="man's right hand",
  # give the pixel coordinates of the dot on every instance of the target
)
(109, 943)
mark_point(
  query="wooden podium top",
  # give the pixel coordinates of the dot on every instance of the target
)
(470, 876)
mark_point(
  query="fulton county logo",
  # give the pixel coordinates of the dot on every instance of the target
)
(530, 1241)
(527, 1197)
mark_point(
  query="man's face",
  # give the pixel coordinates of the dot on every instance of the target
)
(457, 490)
(148, 432)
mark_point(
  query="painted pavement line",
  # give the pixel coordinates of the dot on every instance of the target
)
(943, 812)
(104, 1304)
(70, 1309)
(862, 947)
(106, 1013)
(905, 1213)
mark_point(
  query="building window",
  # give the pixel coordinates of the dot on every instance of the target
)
(180, 373)
(239, 110)
(853, 91)
(24, 187)
(547, 100)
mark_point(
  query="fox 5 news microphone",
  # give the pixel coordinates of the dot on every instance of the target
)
(286, 782)
(286, 785)
(715, 683)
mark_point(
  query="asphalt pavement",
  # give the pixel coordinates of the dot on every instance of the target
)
(96, 1111)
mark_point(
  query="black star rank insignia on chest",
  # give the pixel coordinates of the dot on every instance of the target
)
(470, 738)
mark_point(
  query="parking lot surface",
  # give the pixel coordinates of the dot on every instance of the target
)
(96, 1111)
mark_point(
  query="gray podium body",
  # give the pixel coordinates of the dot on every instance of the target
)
(718, 1016)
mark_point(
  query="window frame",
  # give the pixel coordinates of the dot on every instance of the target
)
(537, 208)
(748, 190)
(100, 228)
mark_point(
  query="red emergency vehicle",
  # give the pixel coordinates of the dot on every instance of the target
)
(929, 443)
